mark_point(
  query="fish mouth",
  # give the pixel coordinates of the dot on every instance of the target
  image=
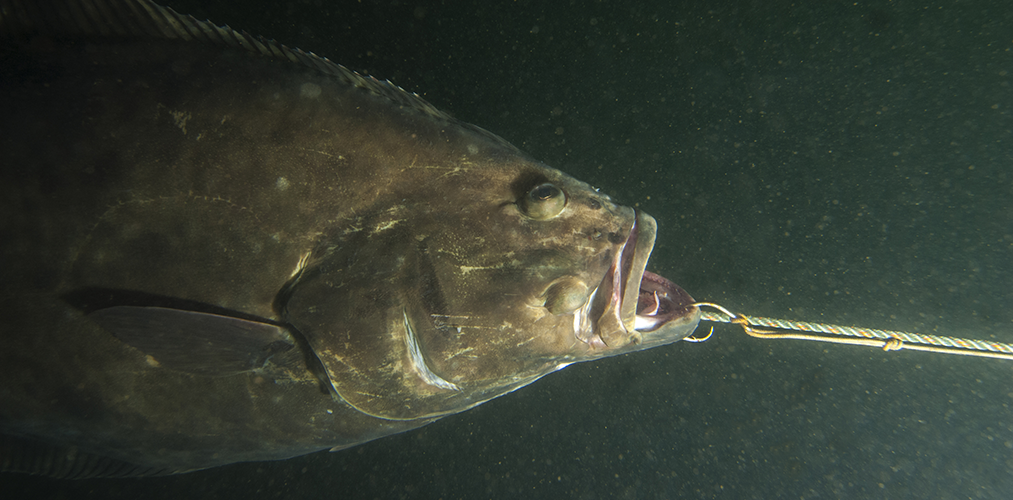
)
(632, 306)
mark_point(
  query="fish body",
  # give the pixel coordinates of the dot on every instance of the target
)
(219, 249)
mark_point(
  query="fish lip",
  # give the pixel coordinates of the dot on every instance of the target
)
(630, 301)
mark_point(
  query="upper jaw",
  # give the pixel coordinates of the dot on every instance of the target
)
(631, 306)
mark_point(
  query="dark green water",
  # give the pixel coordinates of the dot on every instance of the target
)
(839, 162)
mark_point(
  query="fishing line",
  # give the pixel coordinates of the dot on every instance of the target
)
(885, 339)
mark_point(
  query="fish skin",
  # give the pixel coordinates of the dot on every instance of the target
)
(150, 171)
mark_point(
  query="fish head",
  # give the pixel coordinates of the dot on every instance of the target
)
(504, 270)
(557, 269)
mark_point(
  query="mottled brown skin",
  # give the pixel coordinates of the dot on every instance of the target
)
(191, 173)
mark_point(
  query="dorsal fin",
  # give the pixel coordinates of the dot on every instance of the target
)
(143, 19)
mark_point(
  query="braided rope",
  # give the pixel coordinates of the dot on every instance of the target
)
(886, 339)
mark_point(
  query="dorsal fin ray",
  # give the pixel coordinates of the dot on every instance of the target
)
(146, 20)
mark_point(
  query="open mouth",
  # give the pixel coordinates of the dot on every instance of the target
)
(659, 302)
(631, 302)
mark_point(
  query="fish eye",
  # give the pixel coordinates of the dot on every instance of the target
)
(543, 201)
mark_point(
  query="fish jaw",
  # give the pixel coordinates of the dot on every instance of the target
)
(634, 309)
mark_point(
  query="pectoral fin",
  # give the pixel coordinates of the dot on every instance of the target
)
(193, 342)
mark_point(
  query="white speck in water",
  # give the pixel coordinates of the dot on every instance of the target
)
(281, 183)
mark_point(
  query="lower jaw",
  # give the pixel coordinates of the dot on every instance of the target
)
(631, 300)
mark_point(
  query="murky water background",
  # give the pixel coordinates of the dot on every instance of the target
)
(838, 162)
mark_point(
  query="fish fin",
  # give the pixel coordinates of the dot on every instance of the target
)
(146, 20)
(195, 342)
(28, 456)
